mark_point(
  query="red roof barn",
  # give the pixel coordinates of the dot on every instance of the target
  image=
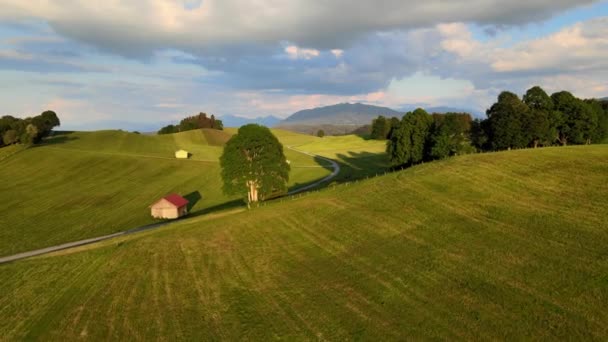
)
(170, 207)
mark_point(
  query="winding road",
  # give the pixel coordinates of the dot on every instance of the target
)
(334, 173)
(64, 246)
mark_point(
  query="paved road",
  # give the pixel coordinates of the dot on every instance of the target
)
(333, 174)
(74, 244)
(78, 243)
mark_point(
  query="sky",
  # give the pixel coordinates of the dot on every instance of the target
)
(161, 60)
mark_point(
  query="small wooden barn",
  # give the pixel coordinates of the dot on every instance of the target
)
(170, 207)
(182, 154)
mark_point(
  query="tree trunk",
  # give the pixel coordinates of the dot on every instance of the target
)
(252, 194)
(535, 143)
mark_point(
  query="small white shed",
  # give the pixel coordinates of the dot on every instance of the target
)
(181, 154)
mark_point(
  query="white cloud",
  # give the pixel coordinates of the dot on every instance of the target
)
(139, 27)
(295, 52)
(583, 46)
(337, 52)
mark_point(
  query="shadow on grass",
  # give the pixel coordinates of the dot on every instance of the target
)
(56, 138)
(360, 165)
(220, 207)
(193, 198)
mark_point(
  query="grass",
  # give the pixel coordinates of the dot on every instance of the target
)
(85, 184)
(509, 246)
(359, 157)
(8, 151)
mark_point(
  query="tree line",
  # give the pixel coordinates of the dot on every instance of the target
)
(30, 130)
(193, 122)
(534, 120)
(540, 120)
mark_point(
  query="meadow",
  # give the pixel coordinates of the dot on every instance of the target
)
(78, 185)
(359, 157)
(510, 245)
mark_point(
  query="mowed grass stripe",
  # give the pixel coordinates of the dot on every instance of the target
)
(87, 184)
(445, 250)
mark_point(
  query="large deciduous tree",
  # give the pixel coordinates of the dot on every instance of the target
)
(539, 123)
(409, 141)
(506, 120)
(450, 135)
(254, 165)
(380, 128)
(578, 122)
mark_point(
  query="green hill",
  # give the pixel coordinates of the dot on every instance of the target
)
(509, 246)
(85, 184)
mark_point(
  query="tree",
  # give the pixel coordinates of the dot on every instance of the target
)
(578, 121)
(450, 135)
(254, 165)
(408, 143)
(399, 145)
(441, 145)
(380, 128)
(420, 122)
(30, 135)
(601, 130)
(169, 129)
(480, 134)
(506, 122)
(320, 133)
(9, 137)
(538, 123)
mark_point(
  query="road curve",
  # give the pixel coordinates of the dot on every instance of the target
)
(333, 174)
(79, 243)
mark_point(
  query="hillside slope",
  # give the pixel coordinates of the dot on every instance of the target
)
(86, 184)
(509, 245)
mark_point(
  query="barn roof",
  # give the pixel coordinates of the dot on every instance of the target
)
(176, 200)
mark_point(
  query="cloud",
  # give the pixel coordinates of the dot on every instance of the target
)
(139, 27)
(159, 59)
(295, 52)
(581, 47)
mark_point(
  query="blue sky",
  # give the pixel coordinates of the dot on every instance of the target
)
(155, 61)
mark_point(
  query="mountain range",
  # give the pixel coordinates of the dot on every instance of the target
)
(350, 115)
(356, 114)
(339, 114)
(238, 121)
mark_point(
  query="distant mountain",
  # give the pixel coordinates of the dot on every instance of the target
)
(604, 99)
(340, 114)
(238, 121)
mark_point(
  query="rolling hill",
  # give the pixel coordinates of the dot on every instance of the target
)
(506, 246)
(79, 185)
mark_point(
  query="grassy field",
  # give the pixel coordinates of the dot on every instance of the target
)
(8, 151)
(86, 184)
(510, 245)
(359, 157)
